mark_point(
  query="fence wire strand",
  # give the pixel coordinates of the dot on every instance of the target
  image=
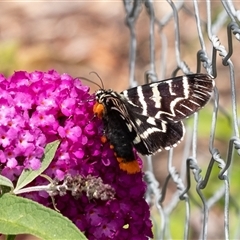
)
(211, 23)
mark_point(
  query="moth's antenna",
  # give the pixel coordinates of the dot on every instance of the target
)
(86, 79)
(99, 78)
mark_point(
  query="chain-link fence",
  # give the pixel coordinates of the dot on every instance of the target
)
(187, 37)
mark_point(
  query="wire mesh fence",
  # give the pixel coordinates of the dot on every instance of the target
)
(187, 37)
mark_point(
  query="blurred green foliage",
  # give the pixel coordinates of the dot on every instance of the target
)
(8, 59)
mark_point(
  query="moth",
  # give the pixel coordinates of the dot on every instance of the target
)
(149, 117)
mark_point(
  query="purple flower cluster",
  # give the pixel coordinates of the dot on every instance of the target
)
(39, 107)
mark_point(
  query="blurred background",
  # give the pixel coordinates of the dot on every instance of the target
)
(80, 37)
(73, 37)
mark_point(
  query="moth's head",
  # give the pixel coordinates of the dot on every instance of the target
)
(101, 95)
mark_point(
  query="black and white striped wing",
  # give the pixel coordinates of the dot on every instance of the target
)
(171, 99)
(152, 135)
(155, 110)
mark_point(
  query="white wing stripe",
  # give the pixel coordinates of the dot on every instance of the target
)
(142, 101)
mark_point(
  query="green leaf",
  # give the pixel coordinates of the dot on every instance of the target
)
(23, 216)
(10, 237)
(28, 176)
(6, 182)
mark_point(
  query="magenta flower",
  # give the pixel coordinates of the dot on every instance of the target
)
(37, 108)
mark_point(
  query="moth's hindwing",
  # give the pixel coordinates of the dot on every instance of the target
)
(153, 134)
(148, 117)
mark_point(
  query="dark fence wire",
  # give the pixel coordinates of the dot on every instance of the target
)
(229, 15)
